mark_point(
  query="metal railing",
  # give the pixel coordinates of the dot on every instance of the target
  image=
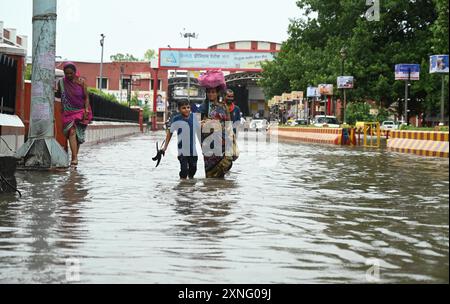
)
(105, 110)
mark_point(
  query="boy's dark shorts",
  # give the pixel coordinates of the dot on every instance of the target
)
(188, 166)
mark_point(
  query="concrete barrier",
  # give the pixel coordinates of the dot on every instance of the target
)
(99, 132)
(430, 144)
(332, 136)
(12, 134)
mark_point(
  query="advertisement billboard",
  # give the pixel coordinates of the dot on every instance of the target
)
(326, 89)
(297, 95)
(286, 97)
(204, 59)
(439, 64)
(407, 72)
(345, 82)
(312, 92)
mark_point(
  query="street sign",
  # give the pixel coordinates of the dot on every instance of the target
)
(407, 72)
(439, 64)
(345, 82)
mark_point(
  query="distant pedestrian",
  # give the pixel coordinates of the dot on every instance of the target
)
(76, 110)
(235, 111)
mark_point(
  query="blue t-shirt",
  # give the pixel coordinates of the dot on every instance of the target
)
(187, 129)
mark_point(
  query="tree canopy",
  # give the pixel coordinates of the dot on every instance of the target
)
(148, 56)
(408, 31)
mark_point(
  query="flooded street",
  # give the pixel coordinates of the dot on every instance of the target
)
(314, 214)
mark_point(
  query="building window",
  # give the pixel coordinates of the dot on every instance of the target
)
(159, 85)
(125, 83)
(104, 84)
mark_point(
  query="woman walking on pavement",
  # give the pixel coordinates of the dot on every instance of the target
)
(76, 110)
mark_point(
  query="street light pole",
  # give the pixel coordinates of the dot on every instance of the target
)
(407, 84)
(443, 101)
(189, 36)
(344, 56)
(102, 43)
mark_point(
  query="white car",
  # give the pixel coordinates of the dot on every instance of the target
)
(258, 124)
(389, 125)
(327, 121)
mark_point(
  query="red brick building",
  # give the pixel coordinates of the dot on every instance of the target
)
(141, 73)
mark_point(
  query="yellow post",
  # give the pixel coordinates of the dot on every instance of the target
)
(371, 129)
(365, 135)
(378, 135)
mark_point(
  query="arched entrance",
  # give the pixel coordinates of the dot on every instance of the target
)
(248, 95)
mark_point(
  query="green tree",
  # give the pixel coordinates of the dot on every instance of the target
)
(409, 31)
(134, 101)
(28, 72)
(358, 111)
(119, 57)
(150, 55)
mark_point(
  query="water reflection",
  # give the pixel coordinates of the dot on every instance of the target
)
(205, 218)
(47, 221)
(74, 196)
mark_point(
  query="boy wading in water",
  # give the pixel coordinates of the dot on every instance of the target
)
(187, 128)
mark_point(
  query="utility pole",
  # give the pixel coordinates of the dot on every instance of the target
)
(407, 84)
(42, 151)
(443, 101)
(344, 56)
(102, 43)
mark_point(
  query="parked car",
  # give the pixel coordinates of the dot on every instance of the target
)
(298, 122)
(389, 125)
(258, 124)
(245, 124)
(327, 121)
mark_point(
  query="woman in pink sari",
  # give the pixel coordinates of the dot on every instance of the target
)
(76, 113)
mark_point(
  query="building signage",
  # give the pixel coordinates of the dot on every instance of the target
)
(203, 59)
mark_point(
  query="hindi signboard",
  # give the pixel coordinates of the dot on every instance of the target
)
(206, 59)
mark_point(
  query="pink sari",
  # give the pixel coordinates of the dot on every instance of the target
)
(73, 98)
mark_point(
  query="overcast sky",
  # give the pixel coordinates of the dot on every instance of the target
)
(133, 26)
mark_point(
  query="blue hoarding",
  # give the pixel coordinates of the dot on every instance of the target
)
(407, 72)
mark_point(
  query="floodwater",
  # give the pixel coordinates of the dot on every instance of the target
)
(287, 213)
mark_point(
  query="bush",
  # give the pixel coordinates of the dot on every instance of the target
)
(109, 97)
(412, 128)
(358, 112)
